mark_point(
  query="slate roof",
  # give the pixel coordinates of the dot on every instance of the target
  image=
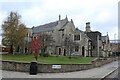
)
(93, 36)
(49, 26)
(104, 38)
(76, 29)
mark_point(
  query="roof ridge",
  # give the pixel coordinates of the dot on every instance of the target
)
(50, 23)
(46, 24)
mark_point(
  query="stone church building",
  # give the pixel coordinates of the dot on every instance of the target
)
(59, 30)
(87, 41)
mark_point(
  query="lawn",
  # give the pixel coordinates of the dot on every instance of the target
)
(48, 60)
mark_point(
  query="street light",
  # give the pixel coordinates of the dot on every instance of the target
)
(98, 47)
(103, 43)
(115, 43)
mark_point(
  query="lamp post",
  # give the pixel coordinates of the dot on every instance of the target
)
(115, 43)
(103, 43)
(98, 47)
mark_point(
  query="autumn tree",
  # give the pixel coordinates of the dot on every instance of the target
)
(41, 42)
(36, 45)
(13, 32)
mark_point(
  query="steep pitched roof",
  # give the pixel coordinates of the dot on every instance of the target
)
(104, 38)
(76, 29)
(49, 26)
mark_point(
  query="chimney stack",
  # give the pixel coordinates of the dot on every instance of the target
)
(88, 27)
(88, 24)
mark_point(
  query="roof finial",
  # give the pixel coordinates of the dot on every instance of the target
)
(107, 33)
(66, 17)
(71, 21)
(59, 17)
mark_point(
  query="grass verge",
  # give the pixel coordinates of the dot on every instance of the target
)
(48, 60)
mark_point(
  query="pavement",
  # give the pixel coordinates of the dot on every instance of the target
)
(99, 72)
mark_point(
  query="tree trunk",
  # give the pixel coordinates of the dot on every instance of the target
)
(36, 58)
(18, 48)
(70, 55)
(11, 49)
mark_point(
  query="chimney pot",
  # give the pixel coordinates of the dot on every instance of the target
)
(88, 24)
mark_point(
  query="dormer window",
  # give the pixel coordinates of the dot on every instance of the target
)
(76, 37)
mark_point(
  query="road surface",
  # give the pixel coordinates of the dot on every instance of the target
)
(114, 75)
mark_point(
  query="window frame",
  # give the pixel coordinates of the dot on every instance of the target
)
(77, 37)
(76, 48)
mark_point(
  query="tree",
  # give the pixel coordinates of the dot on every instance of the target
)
(20, 36)
(40, 42)
(69, 45)
(13, 31)
(47, 41)
(36, 45)
(5, 41)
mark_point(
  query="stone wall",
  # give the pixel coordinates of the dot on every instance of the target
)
(15, 66)
(24, 66)
(64, 67)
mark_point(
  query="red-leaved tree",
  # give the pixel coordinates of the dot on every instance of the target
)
(36, 45)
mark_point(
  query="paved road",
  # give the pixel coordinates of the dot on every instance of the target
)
(91, 73)
(115, 74)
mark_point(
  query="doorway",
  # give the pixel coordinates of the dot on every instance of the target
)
(83, 51)
(64, 52)
(59, 51)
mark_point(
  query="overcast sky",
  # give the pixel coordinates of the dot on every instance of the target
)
(102, 14)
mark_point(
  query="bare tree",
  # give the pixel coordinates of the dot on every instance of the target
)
(69, 45)
(47, 41)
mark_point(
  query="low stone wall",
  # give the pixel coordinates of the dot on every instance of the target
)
(64, 67)
(101, 62)
(24, 66)
(15, 66)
